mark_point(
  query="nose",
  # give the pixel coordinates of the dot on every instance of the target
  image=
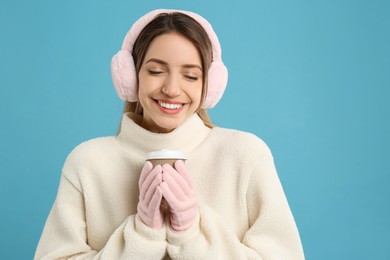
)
(171, 86)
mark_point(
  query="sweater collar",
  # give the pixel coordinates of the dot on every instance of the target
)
(185, 138)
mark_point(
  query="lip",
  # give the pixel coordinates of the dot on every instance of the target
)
(166, 110)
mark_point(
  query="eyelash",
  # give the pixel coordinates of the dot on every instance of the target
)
(192, 78)
(152, 72)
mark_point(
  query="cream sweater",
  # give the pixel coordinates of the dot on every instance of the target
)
(243, 212)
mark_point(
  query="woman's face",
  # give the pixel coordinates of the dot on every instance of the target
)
(170, 82)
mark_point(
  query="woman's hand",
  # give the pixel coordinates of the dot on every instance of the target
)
(150, 196)
(178, 192)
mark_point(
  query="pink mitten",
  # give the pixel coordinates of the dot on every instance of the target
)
(178, 191)
(150, 196)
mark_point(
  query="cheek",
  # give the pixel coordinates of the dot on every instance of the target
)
(196, 94)
(143, 92)
(141, 89)
(144, 86)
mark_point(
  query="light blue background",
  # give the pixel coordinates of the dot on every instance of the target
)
(309, 77)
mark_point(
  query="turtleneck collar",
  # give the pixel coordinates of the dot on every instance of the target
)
(184, 138)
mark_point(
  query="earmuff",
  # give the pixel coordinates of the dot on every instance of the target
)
(123, 69)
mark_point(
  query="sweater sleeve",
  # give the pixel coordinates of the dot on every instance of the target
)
(65, 232)
(271, 233)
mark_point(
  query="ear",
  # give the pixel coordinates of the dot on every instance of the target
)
(124, 76)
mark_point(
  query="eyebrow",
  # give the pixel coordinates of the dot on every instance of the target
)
(166, 64)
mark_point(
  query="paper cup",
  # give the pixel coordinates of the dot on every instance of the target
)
(165, 157)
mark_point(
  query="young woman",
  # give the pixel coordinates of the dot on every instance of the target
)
(225, 201)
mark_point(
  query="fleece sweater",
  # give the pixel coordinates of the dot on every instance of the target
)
(243, 211)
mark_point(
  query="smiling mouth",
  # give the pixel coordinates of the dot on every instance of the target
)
(169, 106)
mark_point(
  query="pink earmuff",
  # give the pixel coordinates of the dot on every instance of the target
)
(123, 69)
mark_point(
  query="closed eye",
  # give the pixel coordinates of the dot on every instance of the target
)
(154, 72)
(192, 78)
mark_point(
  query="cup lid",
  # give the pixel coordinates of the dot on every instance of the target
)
(166, 154)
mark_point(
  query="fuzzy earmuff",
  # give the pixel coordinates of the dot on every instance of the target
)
(123, 69)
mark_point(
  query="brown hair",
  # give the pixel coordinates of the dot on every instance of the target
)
(189, 28)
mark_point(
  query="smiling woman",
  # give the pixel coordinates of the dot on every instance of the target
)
(193, 37)
(222, 199)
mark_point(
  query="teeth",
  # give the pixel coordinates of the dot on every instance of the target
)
(170, 106)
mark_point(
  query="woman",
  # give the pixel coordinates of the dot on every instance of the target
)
(225, 201)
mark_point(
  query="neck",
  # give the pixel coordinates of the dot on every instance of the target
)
(184, 138)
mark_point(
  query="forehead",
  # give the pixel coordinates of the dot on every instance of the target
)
(173, 48)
